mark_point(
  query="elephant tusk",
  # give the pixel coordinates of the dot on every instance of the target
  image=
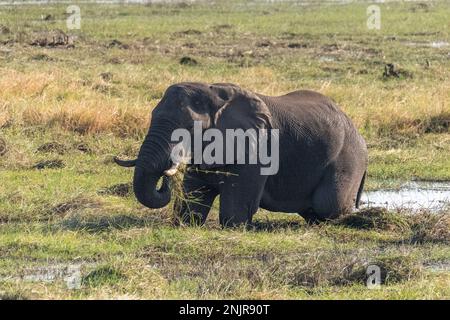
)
(125, 163)
(170, 172)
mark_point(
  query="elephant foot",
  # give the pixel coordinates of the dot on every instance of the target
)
(310, 217)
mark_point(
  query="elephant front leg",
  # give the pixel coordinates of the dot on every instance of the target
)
(196, 201)
(240, 196)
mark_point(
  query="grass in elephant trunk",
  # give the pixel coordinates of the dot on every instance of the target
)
(72, 108)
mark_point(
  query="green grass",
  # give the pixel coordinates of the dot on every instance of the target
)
(78, 107)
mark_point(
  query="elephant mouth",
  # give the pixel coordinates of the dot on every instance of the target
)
(172, 170)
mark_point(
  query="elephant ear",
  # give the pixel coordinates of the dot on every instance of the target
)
(239, 109)
(243, 110)
(225, 91)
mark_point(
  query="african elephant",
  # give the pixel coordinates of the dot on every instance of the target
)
(322, 157)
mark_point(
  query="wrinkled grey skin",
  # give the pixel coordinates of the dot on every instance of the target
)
(323, 159)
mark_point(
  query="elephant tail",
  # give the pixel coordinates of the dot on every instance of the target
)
(360, 190)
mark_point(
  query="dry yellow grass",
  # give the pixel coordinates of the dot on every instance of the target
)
(64, 100)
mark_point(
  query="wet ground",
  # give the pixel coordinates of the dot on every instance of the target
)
(417, 195)
(70, 273)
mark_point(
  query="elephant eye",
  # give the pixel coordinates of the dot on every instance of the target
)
(198, 105)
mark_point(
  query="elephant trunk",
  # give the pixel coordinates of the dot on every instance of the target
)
(145, 189)
(152, 163)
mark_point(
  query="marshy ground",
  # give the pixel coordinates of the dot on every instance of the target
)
(72, 99)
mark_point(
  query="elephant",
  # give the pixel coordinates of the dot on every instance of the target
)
(322, 157)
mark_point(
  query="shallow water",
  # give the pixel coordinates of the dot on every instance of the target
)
(432, 196)
(439, 44)
(70, 273)
(433, 44)
(441, 266)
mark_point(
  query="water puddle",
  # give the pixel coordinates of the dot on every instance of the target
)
(417, 195)
(69, 273)
(327, 59)
(439, 44)
(442, 266)
(433, 44)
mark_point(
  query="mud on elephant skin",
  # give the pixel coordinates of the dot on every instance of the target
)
(322, 157)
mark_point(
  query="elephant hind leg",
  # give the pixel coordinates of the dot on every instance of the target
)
(332, 197)
(310, 216)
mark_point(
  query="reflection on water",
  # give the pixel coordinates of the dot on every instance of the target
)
(433, 196)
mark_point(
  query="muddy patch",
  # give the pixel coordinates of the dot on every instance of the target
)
(3, 148)
(117, 44)
(4, 29)
(83, 147)
(415, 196)
(52, 147)
(115, 60)
(49, 164)
(120, 190)
(438, 124)
(296, 45)
(265, 44)
(53, 38)
(374, 219)
(41, 57)
(187, 32)
(106, 88)
(188, 61)
(420, 7)
(75, 204)
(222, 27)
(417, 227)
(252, 49)
(393, 71)
(106, 76)
(47, 17)
(71, 274)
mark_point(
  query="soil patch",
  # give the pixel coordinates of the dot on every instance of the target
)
(3, 148)
(49, 164)
(52, 38)
(188, 61)
(120, 190)
(4, 29)
(75, 204)
(117, 44)
(52, 147)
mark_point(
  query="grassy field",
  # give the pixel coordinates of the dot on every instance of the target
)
(68, 105)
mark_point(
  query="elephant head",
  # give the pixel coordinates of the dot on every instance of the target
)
(222, 106)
